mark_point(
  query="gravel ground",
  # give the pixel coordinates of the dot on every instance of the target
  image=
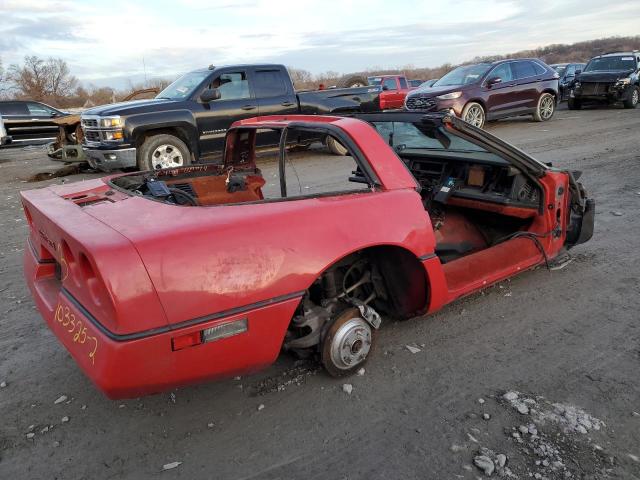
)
(537, 377)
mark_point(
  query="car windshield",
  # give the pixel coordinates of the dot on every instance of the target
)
(406, 135)
(184, 86)
(623, 62)
(463, 75)
(559, 68)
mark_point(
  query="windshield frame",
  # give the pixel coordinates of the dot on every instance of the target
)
(164, 94)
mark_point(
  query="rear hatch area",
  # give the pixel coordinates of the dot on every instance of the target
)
(86, 260)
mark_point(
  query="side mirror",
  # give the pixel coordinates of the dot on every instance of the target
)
(210, 95)
(385, 88)
(578, 72)
(493, 81)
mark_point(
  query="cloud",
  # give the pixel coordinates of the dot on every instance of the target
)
(101, 41)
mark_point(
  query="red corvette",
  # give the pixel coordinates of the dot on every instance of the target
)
(157, 279)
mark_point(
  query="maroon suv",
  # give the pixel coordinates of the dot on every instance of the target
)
(488, 91)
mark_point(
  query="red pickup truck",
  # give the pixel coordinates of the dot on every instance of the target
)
(157, 279)
(394, 90)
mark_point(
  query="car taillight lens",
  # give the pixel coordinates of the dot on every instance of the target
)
(185, 341)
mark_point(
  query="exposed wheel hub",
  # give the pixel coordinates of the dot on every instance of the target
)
(351, 343)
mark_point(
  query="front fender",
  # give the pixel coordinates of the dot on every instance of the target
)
(136, 126)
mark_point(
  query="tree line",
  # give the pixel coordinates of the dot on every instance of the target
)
(50, 80)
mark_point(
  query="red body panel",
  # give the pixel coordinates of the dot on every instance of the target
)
(159, 271)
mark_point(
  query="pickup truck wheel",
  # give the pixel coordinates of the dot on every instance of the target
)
(335, 146)
(473, 113)
(163, 151)
(632, 101)
(347, 343)
(546, 107)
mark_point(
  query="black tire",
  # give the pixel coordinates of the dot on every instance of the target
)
(173, 151)
(545, 108)
(634, 97)
(574, 104)
(474, 114)
(335, 146)
(337, 368)
(354, 81)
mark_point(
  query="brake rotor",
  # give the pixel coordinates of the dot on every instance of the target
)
(347, 343)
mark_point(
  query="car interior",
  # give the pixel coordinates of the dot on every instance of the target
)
(479, 204)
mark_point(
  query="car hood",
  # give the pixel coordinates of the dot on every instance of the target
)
(435, 91)
(126, 108)
(604, 76)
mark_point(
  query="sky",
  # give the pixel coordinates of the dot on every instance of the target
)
(114, 42)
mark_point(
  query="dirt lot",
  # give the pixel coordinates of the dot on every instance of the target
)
(569, 337)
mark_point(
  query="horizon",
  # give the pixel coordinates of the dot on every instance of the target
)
(171, 38)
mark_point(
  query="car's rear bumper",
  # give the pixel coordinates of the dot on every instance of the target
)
(109, 160)
(127, 366)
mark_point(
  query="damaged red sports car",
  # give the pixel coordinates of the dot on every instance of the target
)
(158, 279)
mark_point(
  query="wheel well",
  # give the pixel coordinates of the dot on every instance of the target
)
(178, 132)
(552, 92)
(404, 277)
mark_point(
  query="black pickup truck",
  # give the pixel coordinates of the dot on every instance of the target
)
(188, 120)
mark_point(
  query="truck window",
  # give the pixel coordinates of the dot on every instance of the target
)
(269, 83)
(390, 83)
(232, 86)
(403, 82)
(39, 110)
(13, 108)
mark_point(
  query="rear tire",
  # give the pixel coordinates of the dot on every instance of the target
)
(632, 102)
(353, 81)
(546, 108)
(335, 146)
(163, 151)
(474, 114)
(574, 104)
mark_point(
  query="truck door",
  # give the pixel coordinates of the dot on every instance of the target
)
(275, 96)
(235, 103)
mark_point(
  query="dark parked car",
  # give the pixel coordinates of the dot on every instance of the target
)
(609, 78)
(567, 72)
(29, 122)
(488, 91)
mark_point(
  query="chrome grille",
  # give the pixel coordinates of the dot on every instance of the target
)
(420, 103)
(89, 122)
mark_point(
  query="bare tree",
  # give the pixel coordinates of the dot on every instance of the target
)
(38, 79)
